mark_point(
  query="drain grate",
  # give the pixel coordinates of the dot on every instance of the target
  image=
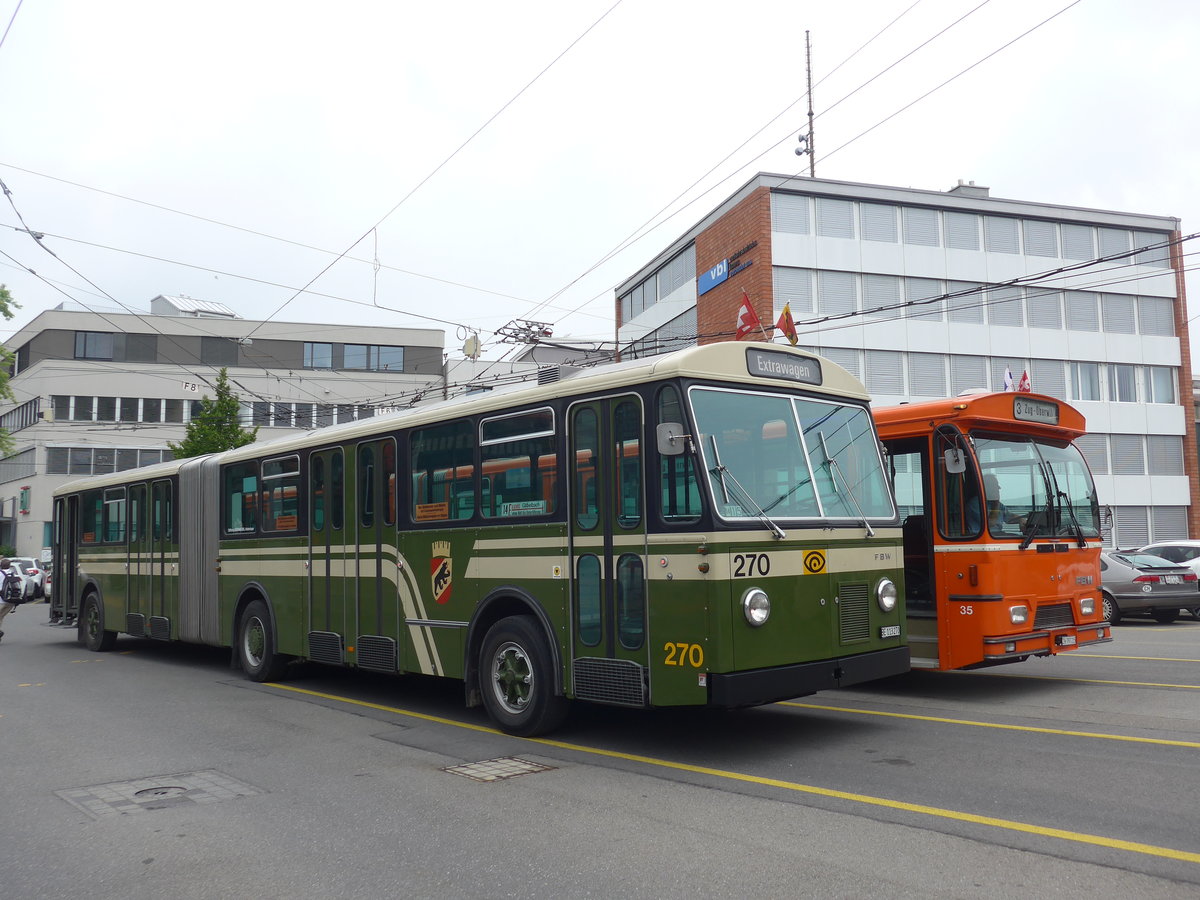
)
(121, 798)
(498, 769)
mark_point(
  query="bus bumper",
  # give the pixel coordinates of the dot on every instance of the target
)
(783, 682)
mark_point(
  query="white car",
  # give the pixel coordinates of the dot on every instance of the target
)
(1183, 552)
(34, 576)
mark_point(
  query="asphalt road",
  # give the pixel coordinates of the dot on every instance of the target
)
(158, 771)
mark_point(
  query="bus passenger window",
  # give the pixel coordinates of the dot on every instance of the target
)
(442, 473)
(280, 494)
(518, 451)
(241, 497)
(114, 515)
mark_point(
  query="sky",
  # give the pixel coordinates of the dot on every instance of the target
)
(462, 165)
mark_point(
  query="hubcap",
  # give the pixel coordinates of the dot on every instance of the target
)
(512, 677)
(254, 641)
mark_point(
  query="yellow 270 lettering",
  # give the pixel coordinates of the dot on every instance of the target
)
(681, 654)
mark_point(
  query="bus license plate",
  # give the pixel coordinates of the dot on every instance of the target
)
(888, 631)
(1066, 640)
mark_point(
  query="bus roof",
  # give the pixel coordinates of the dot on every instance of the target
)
(774, 365)
(1007, 410)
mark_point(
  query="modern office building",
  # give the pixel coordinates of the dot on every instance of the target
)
(99, 391)
(926, 294)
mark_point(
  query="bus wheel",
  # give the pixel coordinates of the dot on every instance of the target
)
(1165, 616)
(517, 678)
(1109, 609)
(256, 645)
(92, 633)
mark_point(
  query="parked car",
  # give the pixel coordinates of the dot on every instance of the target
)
(48, 584)
(1184, 552)
(1135, 582)
(35, 575)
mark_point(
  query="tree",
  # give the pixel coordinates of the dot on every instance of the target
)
(215, 427)
(7, 306)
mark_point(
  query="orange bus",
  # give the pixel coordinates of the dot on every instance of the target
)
(1001, 528)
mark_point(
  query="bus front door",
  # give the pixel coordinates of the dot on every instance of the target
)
(609, 646)
(138, 564)
(330, 586)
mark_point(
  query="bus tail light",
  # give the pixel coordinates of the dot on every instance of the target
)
(1018, 615)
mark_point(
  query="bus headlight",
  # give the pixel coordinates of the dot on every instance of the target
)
(1019, 615)
(885, 594)
(1087, 605)
(756, 606)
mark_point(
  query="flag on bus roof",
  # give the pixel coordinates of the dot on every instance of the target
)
(1008, 379)
(787, 326)
(1024, 385)
(747, 321)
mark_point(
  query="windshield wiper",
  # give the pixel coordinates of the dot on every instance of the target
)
(837, 470)
(722, 472)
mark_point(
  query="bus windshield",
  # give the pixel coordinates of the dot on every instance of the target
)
(789, 457)
(1037, 488)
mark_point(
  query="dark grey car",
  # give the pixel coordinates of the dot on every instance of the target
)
(1136, 582)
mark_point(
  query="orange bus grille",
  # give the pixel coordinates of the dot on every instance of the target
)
(1054, 616)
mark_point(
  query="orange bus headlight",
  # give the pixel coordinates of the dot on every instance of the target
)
(756, 606)
(885, 594)
(1087, 605)
(1019, 615)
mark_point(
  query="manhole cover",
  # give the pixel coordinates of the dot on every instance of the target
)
(498, 769)
(160, 793)
(119, 798)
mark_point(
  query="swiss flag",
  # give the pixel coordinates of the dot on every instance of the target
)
(1024, 385)
(748, 321)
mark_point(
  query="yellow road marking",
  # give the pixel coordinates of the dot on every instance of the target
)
(1195, 745)
(1148, 658)
(937, 812)
(1186, 687)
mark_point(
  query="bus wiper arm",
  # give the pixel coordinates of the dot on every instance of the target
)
(1070, 507)
(1035, 520)
(833, 464)
(722, 472)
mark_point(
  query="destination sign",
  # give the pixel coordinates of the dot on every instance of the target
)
(1039, 411)
(773, 364)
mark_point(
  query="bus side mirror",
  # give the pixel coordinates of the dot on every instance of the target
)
(956, 460)
(672, 440)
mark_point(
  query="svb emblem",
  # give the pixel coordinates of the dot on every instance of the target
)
(440, 573)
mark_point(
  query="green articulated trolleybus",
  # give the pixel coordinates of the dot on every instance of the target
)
(707, 527)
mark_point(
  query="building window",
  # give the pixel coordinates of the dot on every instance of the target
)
(920, 226)
(218, 351)
(1157, 316)
(318, 356)
(962, 230)
(151, 409)
(1077, 241)
(1122, 383)
(1085, 381)
(1160, 384)
(106, 409)
(878, 222)
(374, 358)
(93, 345)
(128, 409)
(835, 218)
(1000, 235)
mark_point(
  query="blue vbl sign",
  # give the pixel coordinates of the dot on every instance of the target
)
(714, 276)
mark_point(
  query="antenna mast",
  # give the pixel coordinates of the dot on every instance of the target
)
(806, 140)
(812, 159)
